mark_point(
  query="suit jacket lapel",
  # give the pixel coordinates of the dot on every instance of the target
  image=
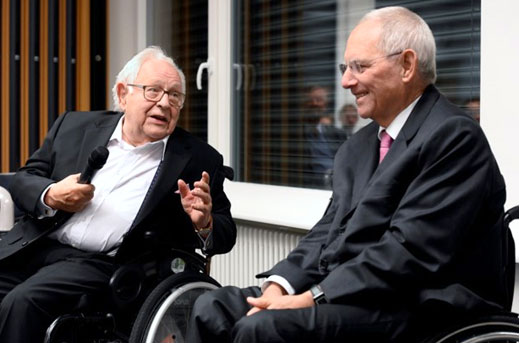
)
(410, 128)
(176, 156)
(366, 166)
(95, 135)
(365, 175)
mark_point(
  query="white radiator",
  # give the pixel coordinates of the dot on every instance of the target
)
(257, 249)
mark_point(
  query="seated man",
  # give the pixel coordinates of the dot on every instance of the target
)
(157, 178)
(412, 239)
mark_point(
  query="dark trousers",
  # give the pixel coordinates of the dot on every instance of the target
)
(45, 281)
(219, 316)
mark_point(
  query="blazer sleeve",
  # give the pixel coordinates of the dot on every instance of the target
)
(35, 176)
(223, 235)
(302, 264)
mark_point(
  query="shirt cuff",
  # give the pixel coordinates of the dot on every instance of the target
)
(45, 211)
(280, 281)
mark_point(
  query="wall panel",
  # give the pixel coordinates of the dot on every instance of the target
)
(46, 69)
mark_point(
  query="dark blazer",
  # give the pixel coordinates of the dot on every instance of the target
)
(65, 151)
(423, 227)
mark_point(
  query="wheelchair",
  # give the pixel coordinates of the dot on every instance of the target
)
(498, 327)
(152, 298)
(149, 300)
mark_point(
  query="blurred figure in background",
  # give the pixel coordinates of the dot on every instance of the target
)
(349, 118)
(472, 107)
(321, 138)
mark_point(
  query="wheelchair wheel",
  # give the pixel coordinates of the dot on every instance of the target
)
(164, 315)
(485, 331)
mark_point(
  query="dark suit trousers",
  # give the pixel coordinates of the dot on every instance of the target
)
(43, 282)
(219, 316)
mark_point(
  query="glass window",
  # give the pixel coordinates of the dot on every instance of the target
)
(291, 114)
(180, 28)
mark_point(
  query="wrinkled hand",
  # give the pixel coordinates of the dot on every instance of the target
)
(275, 297)
(69, 195)
(197, 203)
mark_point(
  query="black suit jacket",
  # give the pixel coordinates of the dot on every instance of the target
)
(65, 151)
(423, 227)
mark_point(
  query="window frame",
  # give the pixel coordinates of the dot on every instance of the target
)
(278, 205)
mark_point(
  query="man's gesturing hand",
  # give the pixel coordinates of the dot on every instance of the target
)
(69, 195)
(197, 203)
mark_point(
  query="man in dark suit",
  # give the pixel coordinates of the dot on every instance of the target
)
(413, 237)
(158, 179)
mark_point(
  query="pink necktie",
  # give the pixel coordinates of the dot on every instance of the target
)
(385, 144)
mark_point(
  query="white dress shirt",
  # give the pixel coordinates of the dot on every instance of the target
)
(120, 188)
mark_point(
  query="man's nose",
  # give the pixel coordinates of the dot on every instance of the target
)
(348, 80)
(164, 100)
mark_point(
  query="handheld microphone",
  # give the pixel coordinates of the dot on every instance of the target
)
(95, 162)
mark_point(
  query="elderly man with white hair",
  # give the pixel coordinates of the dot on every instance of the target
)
(158, 178)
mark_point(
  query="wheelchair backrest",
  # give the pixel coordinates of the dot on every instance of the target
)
(509, 251)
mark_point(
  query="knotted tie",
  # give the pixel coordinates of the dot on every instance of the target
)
(385, 144)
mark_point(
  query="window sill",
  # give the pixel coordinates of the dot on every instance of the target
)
(277, 205)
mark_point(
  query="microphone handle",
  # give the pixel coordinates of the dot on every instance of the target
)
(87, 175)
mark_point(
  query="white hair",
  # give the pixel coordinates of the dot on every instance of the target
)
(132, 67)
(403, 29)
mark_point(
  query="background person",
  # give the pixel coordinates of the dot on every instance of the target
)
(473, 108)
(47, 265)
(349, 119)
(321, 138)
(412, 239)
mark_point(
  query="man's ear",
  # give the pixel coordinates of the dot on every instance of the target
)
(122, 92)
(409, 65)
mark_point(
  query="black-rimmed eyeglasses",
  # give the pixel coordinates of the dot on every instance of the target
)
(155, 93)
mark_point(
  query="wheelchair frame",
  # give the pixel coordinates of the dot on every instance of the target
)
(126, 285)
(186, 279)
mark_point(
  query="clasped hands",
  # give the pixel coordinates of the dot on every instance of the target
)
(275, 297)
(70, 196)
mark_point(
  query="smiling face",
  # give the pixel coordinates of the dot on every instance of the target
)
(148, 121)
(379, 89)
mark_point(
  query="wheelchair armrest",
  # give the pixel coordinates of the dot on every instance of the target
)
(228, 172)
(7, 207)
(511, 215)
(6, 210)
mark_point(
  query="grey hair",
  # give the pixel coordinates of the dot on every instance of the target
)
(132, 67)
(403, 29)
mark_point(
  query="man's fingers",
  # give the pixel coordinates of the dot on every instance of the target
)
(205, 177)
(182, 188)
(257, 302)
(202, 185)
(253, 310)
(204, 196)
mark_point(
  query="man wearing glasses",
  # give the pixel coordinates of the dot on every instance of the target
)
(413, 238)
(158, 178)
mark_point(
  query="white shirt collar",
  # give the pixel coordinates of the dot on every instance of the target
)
(398, 123)
(117, 135)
